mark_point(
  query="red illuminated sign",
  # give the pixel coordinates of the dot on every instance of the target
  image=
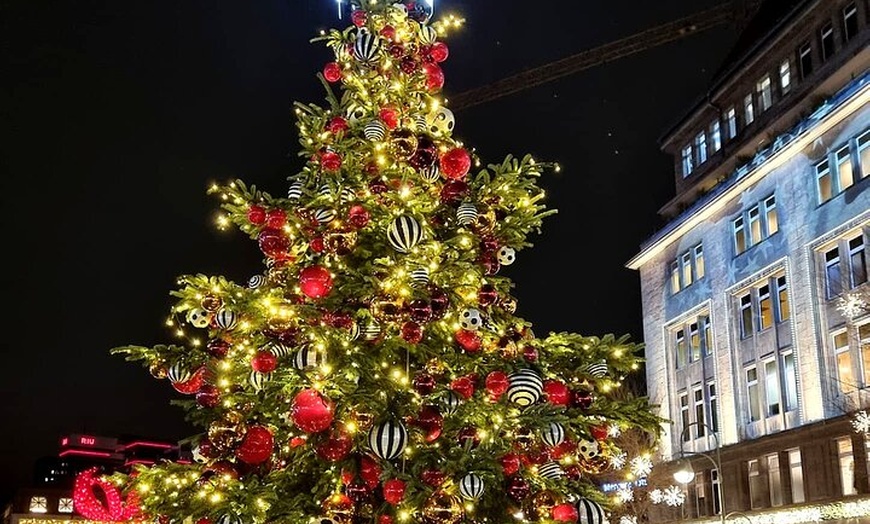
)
(87, 441)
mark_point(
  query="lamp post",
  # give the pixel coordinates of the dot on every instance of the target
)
(685, 473)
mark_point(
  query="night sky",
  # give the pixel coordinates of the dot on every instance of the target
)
(117, 115)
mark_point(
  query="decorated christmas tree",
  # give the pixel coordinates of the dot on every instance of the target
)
(376, 371)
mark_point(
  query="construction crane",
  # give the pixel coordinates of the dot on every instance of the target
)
(734, 11)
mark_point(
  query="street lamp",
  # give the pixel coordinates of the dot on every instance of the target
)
(686, 474)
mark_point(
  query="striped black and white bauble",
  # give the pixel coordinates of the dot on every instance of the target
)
(278, 349)
(258, 380)
(420, 277)
(553, 435)
(551, 470)
(178, 373)
(375, 130)
(420, 123)
(428, 34)
(466, 213)
(226, 518)
(366, 47)
(597, 369)
(324, 191)
(388, 439)
(324, 215)
(371, 331)
(452, 402)
(226, 318)
(295, 190)
(308, 357)
(404, 233)
(590, 512)
(525, 387)
(347, 195)
(256, 281)
(431, 173)
(471, 487)
(354, 330)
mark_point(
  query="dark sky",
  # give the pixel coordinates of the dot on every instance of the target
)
(118, 114)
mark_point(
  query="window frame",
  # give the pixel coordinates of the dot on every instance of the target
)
(687, 160)
(753, 393)
(827, 44)
(685, 419)
(713, 400)
(771, 216)
(675, 276)
(700, 143)
(764, 90)
(824, 179)
(731, 122)
(748, 109)
(707, 330)
(833, 281)
(850, 22)
(772, 390)
(862, 145)
(788, 361)
(747, 329)
(765, 307)
(796, 475)
(858, 251)
(738, 229)
(783, 300)
(843, 156)
(700, 411)
(842, 348)
(785, 76)
(774, 480)
(698, 260)
(681, 348)
(715, 135)
(846, 466)
(805, 59)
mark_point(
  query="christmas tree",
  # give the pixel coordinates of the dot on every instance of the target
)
(376, 370)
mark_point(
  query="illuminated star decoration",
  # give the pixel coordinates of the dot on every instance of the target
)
(627, 519)
(851, 305)
(625, 494)
(641, 466)
(861, 422)
(617, 460)
(674, 496)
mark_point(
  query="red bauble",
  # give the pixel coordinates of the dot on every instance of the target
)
(408, 65)
(256, 446)
(469, 340)
(388, 32)
(370, 471)
(390, 117)
(208, 396)
(412, 332)
(557, 392)
(463, 386)
(486, 295)
(454, 192)
(468, 437)
(191, 385)
(455, 163)
(358, 492)
(497, 383)
(394, 491)
(311, 412)
(217, 347)
(396, 50)
(273, 243)
(332, 72)
(431, 422)
(583, 399)
(337, 125)
(203, 520)
(439, 300)
(264, 361)
(336, 446)
(358, 216)
(385, 519)
(599, 432)
(434, 77)
(276, 218)
(565, 513)
(425, 155)
(378, 186)
(510, 464)
(439, 51)
(330, 161)
(517, 488)
(205, 448)
(489, 262)
(256, 215)
(433, 477)
(317, 245)
(530, 354)
(315, 281)
(359, 17)
(565, 448)
(420, 310)
(424, 383)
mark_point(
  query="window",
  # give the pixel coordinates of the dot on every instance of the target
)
(739, 235)
(764, 90)
(785, 76)
(65, 505)
(833, 277)
(844, 168)
(701, 147)
(746, 315)
(684, 415)
(714, 407)
(765, 308)
(38, 505)
(789, 379)
(857, 262)
(695, 341)
(708, 335)
(716, 491)
(864, 153)
(850, 21)
(699, 262)
(771, 219)
(688, 165)
(731, 122)
(748, 110)
(771, 388)
(687, 269)
(752, 394)
(700, 495)
(756, 487)
(805, 56)
(796, 473)
(864, 344)
(675, 276)
(847, 465)
(826, 38)
(774, 482)
(715, 136)
(754, 222)
(682, 350)
(783, 308)
(845, 377)
(823, 181)
(701, 420)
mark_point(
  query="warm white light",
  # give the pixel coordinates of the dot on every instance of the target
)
(684, 473)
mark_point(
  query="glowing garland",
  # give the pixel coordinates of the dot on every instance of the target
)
(87, 504)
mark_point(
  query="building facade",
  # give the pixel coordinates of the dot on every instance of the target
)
(750, 351)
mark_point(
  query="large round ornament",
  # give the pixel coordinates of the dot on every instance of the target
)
(336, 446)
(394, 491)
(497, 383)
(308, 357)
(517, 488)
(466, 214)
(506, 255)
(311, 412)
(428, 34)
(525, 387)
(294, 192)
(339, 508)
(431, 422)
(264, 361)
(420, 277)
(588, 449)
(226, 318)
(375, 130)
(452, 402)
(178, 372)
(404, 233)
(564, 513)
(455, 163)
(403, 144)
(431, 173)
(258, 380)
(442, 121)
(471, 487)
(315, 281)
(553, 435)
(468, 340)
(199, 318)
(551, 470)
(191, 384)
(597, 369)
(388, 439)
(256, 445)
(590, 512)
(208, 396)
(332, 72)
(443, 508)
(434, 77)
(454, 191)
(471, 319)
(366, 47)
(426, 154)
(557, 393)
(273, 243)
(542, 503)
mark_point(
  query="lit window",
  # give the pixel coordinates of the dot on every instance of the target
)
(748, 109)
(784, 310)
(864, 153)
(675, 276)
(785, 76)
(686, 263)
(823, 181)
(796, 473)
(714, 406)
(688, 162)
(771, 388)
(699, 412)
(752, 394)
(65, 505)
(701, 147)
(826, 37)
(754, 221)
(844, 168)
(789, 379)
(857, 262)
(764, 90)
(708, 335)
(771, 220)
(695, 341)
(699, 262)
(746, 315)
(739, 235)
(715, 136)
(833, 273)
(774, 481)
(845, 376)
(717, 491)
(38, 505)
(757, 489)
(850, 21)
(765, 308)
(684, 415)
(805, 54)
(731, 122)
(864, 344)
(682, 350)
(847, 465)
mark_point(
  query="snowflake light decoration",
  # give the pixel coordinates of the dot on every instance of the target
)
(628, 519)
(851, 305)
(861, 422)
(656, 496)
(674, 496)
(617, 460)
(641, 466)
(614, 431)
(625, 494)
